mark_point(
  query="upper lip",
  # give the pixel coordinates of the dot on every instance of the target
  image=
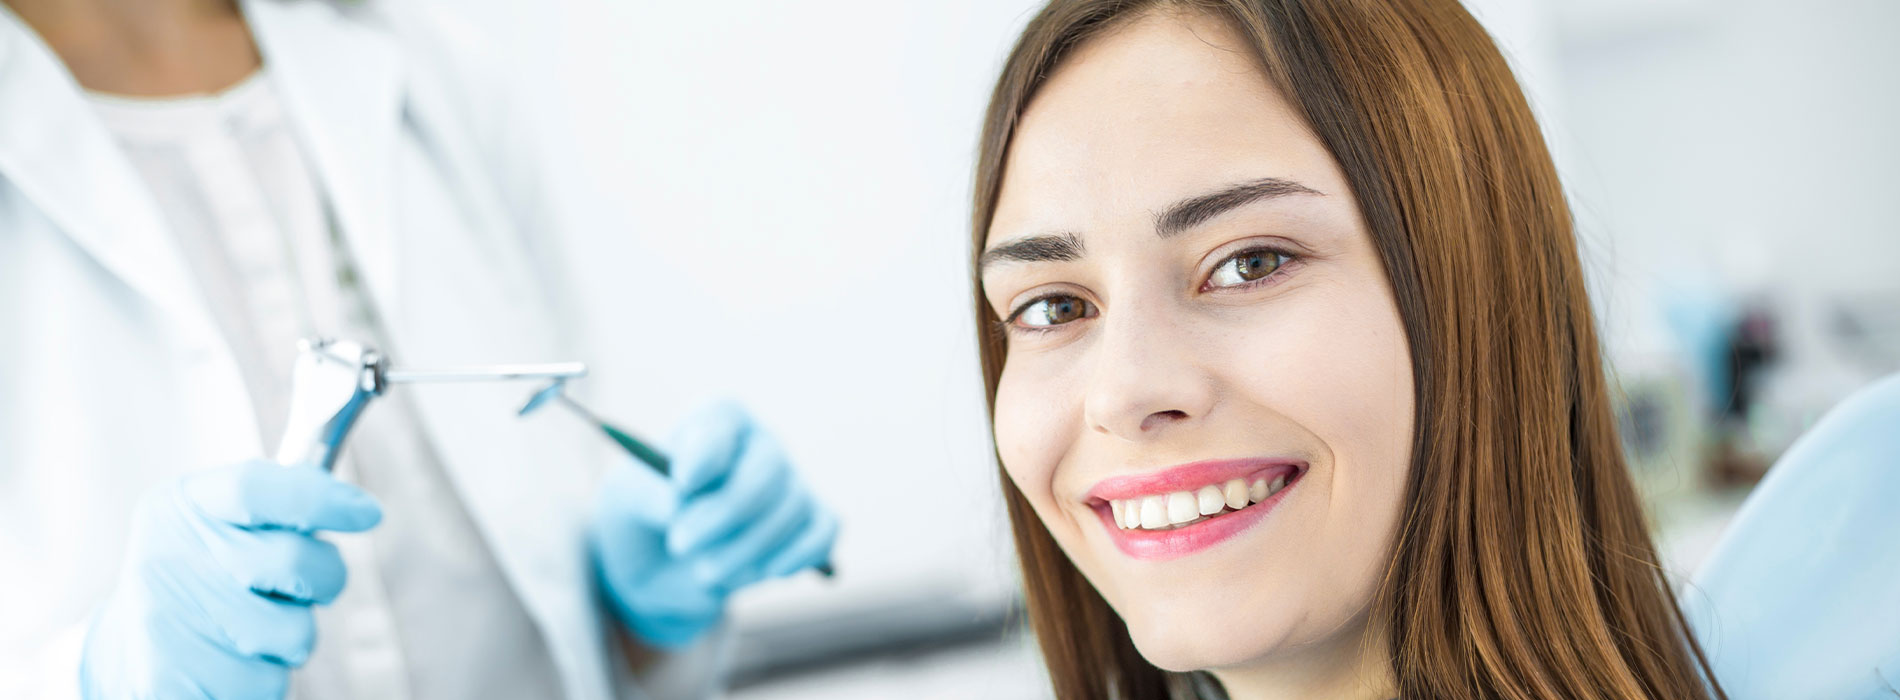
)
(1190, 477)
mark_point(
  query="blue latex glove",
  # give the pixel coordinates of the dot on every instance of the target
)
(221, 569)
(671, 551)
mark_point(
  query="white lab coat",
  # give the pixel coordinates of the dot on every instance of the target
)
(114, 378)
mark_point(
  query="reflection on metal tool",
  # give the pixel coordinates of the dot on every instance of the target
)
(333, 380)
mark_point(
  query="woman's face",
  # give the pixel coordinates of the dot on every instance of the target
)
(1207, 396)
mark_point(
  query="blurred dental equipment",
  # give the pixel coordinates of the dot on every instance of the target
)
(333, 380)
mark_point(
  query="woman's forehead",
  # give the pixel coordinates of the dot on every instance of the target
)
(1166, 107)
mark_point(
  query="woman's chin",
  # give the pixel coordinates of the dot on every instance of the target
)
(1204, 644)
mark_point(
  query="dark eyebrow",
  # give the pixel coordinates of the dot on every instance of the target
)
(1195, 211)
(1051, 247)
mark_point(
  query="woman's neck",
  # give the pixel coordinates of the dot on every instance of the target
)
(146, 47)
(1346, 667)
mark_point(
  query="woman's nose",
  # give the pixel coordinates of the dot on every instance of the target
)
(1148, 380)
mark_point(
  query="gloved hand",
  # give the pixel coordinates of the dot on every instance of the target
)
(733, 513)
(214, 598)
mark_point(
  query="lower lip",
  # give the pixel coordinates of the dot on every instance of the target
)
(1161, 545)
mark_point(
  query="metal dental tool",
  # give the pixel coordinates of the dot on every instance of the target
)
(556, 393)
(640, 450)
(333, 380)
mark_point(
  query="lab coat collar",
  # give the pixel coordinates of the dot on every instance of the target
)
(341, 80)
(56, 151)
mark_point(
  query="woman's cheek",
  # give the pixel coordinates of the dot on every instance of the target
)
(1287, 362)
(1026, 431)
(1356, 397)
(1369, 411)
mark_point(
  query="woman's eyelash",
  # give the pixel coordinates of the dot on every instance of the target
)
(1006, 328)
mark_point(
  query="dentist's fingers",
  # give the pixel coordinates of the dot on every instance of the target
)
(761, 477)
(810, 548)
(199, 667)
(632, 495)
(707, 446)
(265, 495)
(270, 631)
(245, 623)
(736, 562)
(292, 566)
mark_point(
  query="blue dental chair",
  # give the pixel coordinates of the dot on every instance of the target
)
(1801, 598)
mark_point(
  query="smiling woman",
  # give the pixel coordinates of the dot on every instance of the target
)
(1291, 370)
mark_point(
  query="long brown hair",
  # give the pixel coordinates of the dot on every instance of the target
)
(1523, 567)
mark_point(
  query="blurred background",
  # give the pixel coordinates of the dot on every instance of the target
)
(780, 215)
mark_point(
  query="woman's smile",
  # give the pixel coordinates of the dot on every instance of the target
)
(1189, 508)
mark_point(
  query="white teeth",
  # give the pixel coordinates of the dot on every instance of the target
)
(1154, 513)
(1235, 492)
(1185, 507)
(1210, 500)
(1181, 507)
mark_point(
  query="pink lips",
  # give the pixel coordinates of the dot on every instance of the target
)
(1179, 542)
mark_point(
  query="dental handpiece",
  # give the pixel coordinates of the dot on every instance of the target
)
(334, 380)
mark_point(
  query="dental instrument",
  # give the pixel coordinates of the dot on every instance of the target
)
(332, 382)
(556, 393)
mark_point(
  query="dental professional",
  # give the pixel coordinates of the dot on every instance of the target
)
(186, 188)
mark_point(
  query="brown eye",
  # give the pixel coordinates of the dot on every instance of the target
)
(1051, 311)
(1246, 266)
